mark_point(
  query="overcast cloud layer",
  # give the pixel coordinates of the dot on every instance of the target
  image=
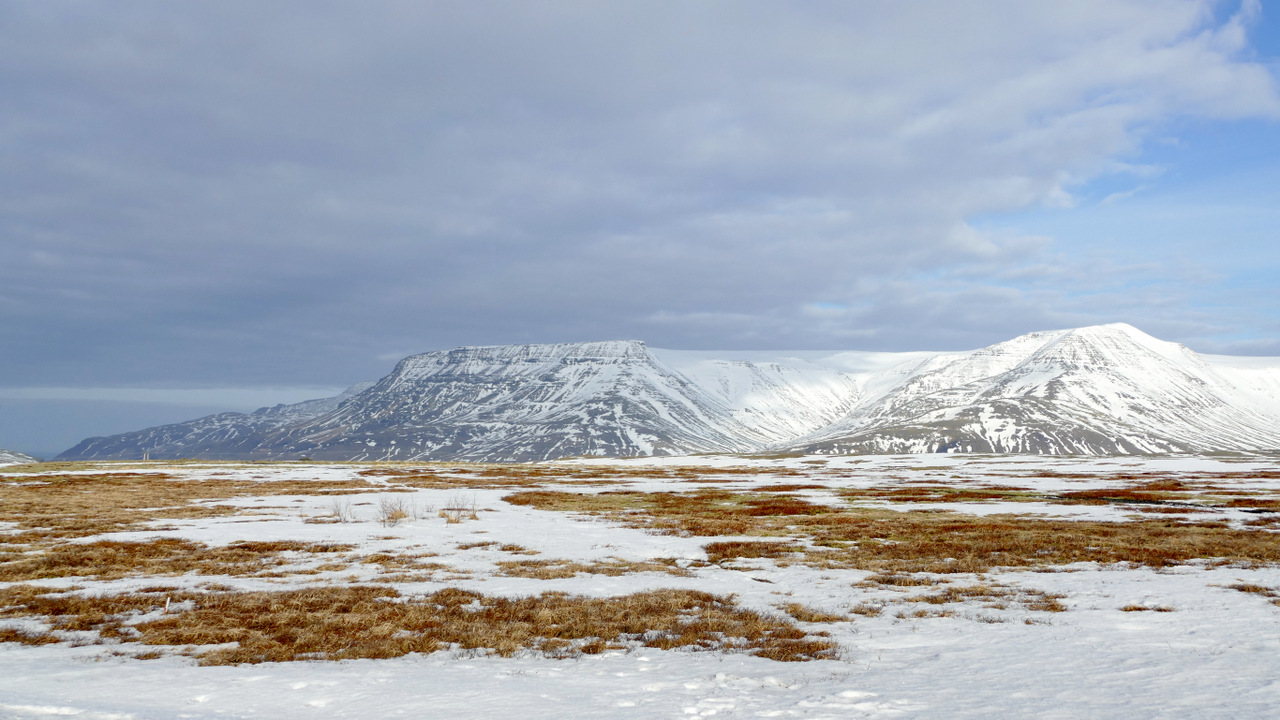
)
(296, 193)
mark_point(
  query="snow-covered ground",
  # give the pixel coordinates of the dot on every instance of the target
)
(1211, 653)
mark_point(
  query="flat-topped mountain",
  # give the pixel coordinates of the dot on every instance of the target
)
(1096, 390)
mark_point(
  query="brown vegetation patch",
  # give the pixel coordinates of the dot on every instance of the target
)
(933, 493)
(483, 476)
(782, 505)
(905, 542)
(1254, 502)
(894, 580)
(64, 506)
(404, 561)
(1267, 592)
(718, 552)
(110, 559)
(562, 569)
(335, 623)
(995, 596)
(804, 613)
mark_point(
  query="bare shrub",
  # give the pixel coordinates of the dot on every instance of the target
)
(459, 508)
(391, 511)
(340, 510)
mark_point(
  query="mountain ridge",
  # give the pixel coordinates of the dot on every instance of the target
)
(13, 457)
(1095, 390)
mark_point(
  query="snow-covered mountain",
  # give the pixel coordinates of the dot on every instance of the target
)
(1095, 390)
(10, 457)
(227, 435)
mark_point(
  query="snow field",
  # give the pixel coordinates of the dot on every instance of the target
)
(1210, 655)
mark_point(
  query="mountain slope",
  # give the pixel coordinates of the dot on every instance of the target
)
(525, 402)
(1103, 389)
(11, 457)
(228, 435)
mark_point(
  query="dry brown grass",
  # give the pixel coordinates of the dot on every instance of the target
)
(895, 580)
(995, 596)
(1272, 594)
(867, 609)
(489, 476)
(804, 613)
(934, 493)
(110, 559)
(906, 542)
(373, 622)
(68, 506)
(562, 569)
(718, 552)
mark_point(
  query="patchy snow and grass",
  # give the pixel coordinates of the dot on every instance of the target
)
(111, 575)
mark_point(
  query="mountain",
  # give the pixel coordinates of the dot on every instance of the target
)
(222, 436)
(1096, 390)
(9, 457)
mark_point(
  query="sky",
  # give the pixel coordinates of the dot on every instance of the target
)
(226, 205)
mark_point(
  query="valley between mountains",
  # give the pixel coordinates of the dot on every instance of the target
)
(1108, 389)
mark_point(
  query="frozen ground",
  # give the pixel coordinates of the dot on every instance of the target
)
(1209, 652)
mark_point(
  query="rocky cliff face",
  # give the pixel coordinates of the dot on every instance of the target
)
(1105, 389)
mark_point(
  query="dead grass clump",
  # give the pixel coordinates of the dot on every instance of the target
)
(336, 623)
(898, 580)
(1267, 592)
(562, 569)
(867, 609)
(415, 562)
(956, 593)
(804, 613)
(26, 637)
(718, 552)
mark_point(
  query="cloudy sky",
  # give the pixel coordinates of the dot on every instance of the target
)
(221, 205)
